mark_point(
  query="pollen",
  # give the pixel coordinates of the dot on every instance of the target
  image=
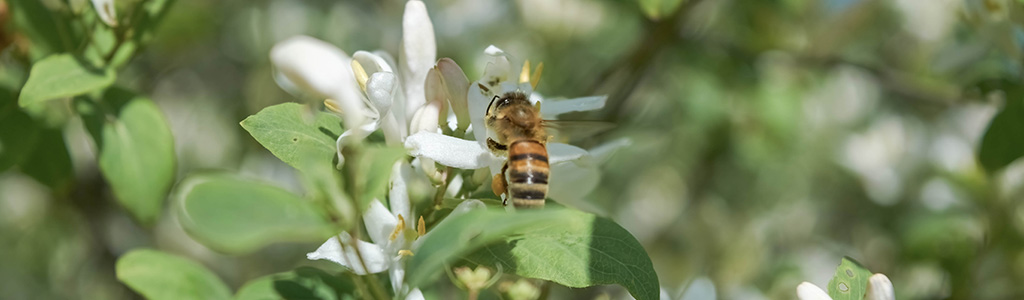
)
(405, 253)
(398, 228)
(535, 79)
(332, 105)
(421, 228)
(361, 76)
(524, 75)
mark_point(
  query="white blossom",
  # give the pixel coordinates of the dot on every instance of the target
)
(879, 288)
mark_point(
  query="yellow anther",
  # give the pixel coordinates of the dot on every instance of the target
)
(421, 228)
(405, 253)
(332, 105)
(398, 228)
(524, 76)
(361, 76)
(535, 79)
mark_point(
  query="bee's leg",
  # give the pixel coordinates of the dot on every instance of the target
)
(500, 185)
(496, 148)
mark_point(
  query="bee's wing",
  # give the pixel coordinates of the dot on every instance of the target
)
(566, 131)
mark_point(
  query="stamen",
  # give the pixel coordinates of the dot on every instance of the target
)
(421, 228)
(524, 76)
(536, 75)
(332, 105)
(398, 228)
(360, 73)
(405, 253)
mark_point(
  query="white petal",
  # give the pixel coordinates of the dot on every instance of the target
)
(809, 291)
(353, 135)
(602, 153)
(417, 55)
(398, 196)
(477, 100)
(380, 90)
(380, 223)
(373, 256)
(392, 128)
(415, 294)
(549, 109)
(449, 151)
(558, 152)
(105, 8)
(397, 275)
(371, 62)
(319, 68)
(493, 50)
(880, 288)
(457, 85)
(570, 184)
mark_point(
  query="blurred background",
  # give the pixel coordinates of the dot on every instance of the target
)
(769, 138)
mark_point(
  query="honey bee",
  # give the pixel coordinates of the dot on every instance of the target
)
(521, 134)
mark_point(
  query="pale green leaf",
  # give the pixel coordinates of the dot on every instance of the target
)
(569, 247)
(136, 150)
(301, 283)
(237, 215)
(850, 281)
(157, 276)
(291, 131)
(61, 76)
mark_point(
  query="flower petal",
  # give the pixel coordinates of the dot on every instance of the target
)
(373, 256)
(604, 152)
(380, 90)
(417, 55)
(398, 195)
(552, 108)
(397, 275)
(415, 294)
(571, 182)
(477, 100)
(352, 136)
(372, 62)
(449, 151)
(879, 288)
(319, 68)
(558, 152)
(458, 85)
(379, 222)
(105, 8)
(809, 291)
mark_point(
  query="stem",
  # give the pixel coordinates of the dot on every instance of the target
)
(439, 194)
(378, 292)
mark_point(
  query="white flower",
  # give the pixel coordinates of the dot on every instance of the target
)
(879, 288)
(105, 9)
(392, 236)
(367, 89)
(574, 167)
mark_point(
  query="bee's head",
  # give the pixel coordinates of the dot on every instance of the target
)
(501, 101)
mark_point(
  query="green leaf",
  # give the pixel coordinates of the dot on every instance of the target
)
(850, 281)
(374, 172)
(1002, 144)
(656, 9)
(236, 215)
(15, 145)
(291, 130)
(60, 76)
(136, 150)
(302, 283)
(569, 247)
(48, 31)
(157, 275)
(49, 161)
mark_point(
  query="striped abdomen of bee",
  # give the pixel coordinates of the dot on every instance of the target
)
(528, 173)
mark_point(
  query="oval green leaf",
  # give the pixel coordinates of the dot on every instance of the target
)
(291, 130)
(1002, 144)
(301, 283)
(157, 275)
(237, 215)
(569, 247)
(60, 76)
(136, 150)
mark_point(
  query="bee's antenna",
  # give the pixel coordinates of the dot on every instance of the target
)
(491, 104)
